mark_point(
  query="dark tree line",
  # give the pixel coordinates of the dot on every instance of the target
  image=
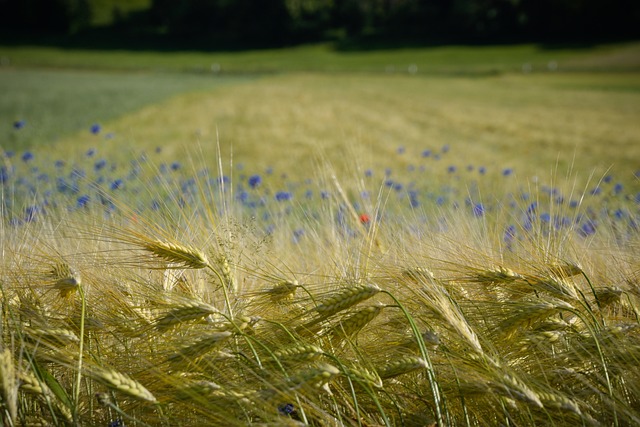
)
(291, 21)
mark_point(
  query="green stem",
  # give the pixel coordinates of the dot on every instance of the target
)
(224, 290)
(423, 351)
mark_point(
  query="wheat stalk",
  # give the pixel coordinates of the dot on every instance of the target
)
(9, 390)
(402, 366)
(345, 299)
(176, 254)
(298, 353)
(65, 278)
(123, 383)
(282, 291)
(355, 322)
(201, 346)
(186, 310)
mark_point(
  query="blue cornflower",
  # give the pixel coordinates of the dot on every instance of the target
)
(607, 179)
(507, 172)
(30, 213)
(478, 209)
(482, 170)
(19, 124)
(587, 229)
(596, 191)
(532, 208)
(83, 201)
(243, 196)
(95, 128)
(91, 152)
(426, 153)
(4, 174)
(573, 204)
(28, 155)
(286, 409)
(617, 189)
(368, 173)
(282, 196)
(324, 195)
(100, 164)
(509, 234)
(545, 217)
(451, 169)
(298, 233)
(440, 201)
(619, 214)
(400, 150)
(413, 199)
(59, 163)
(255, 181)
(116, 184)
(175, 166)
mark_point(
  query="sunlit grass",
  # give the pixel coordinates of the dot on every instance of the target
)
(536, 124)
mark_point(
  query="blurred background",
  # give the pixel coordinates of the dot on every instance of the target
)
(251, 23)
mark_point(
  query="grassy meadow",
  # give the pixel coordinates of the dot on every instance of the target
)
(427, 236)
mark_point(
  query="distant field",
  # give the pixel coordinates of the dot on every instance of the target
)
(465, 60)
(544, 112)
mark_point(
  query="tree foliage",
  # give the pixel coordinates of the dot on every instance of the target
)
(289, 21)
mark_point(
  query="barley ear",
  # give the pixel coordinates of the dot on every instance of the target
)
(9, 390)
(124, 384)
(175, 254)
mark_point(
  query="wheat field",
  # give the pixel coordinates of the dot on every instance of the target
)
(330, 250)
